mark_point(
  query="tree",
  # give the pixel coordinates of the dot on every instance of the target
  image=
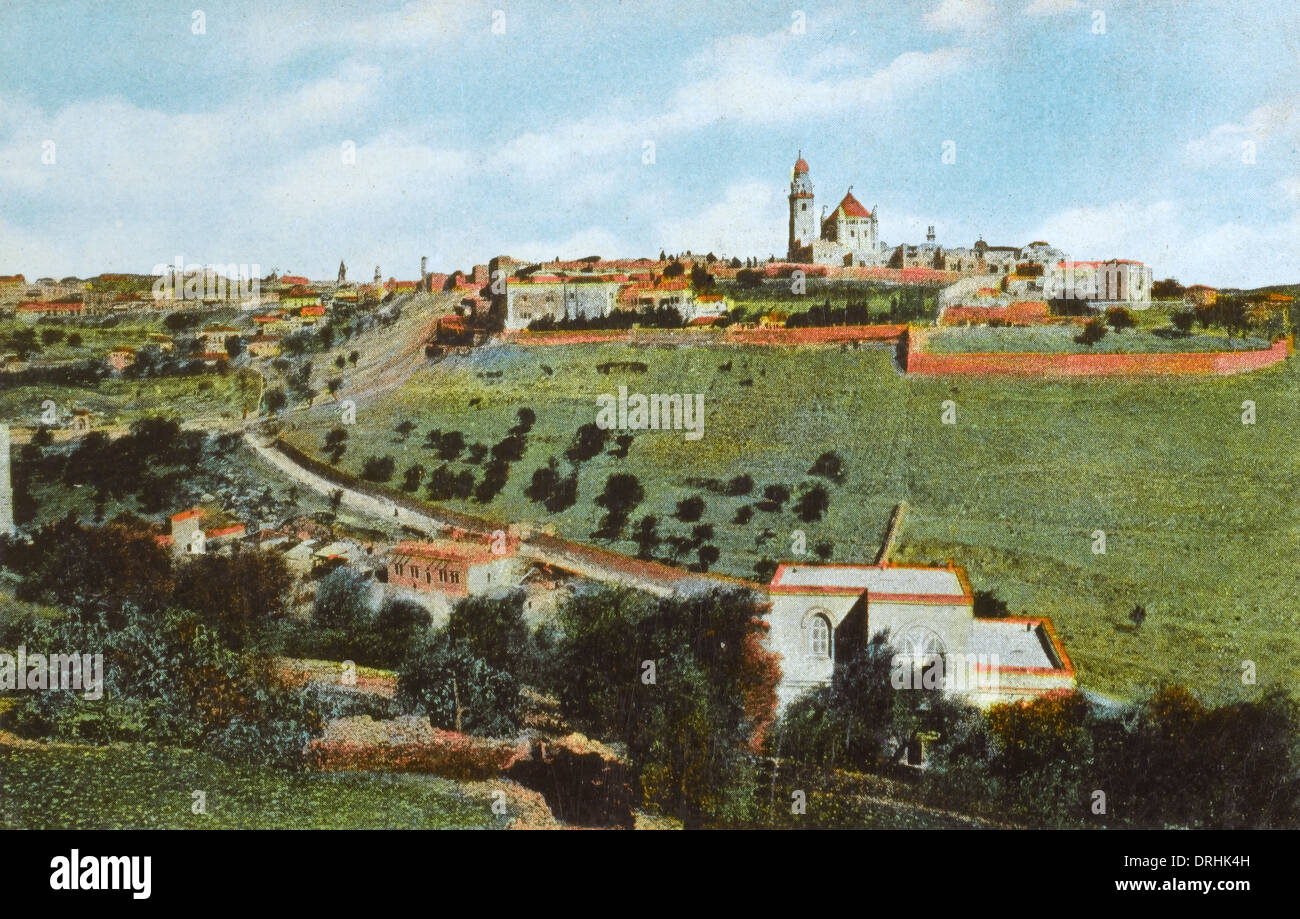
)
(239, 596)
(1120, 318)
(774, 496)
(1093, 331)
(275, 400)
(690, 509)
(414, 475)
(740, 485)
(495, 630)
(450, 446)
(1183, 320)
(688, 731)
(829, 465)
(342, 600)
(588, 442)
(398, 626)
(989, 606)
(543, 482)
(459, 691)
(336, 442)
(378, 468)
(646, 536)
(495, 475)
(1168, 289)
(813, 503)
(621, 496)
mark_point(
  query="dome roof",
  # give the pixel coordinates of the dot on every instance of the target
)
(801, 166)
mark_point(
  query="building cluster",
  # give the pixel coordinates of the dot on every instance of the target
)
(580, 295)
(848, 237)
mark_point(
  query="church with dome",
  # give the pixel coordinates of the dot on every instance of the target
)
(847, 235)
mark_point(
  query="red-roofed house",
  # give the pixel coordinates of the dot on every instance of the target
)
(455, 569)
(298, 297)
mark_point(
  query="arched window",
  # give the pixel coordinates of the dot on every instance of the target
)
(819, 637)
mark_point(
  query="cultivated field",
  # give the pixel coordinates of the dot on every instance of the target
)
(1197, 508)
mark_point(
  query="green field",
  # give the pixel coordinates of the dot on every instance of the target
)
(139, 787)
(119, 402)
(1060, 339)
(1198, 509)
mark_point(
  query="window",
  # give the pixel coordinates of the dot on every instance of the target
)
(819, 637)
(804, 206)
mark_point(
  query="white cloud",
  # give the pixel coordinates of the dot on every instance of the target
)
(1177, 240)
(1052, 7)
(747, 221)
(959, 15)
(1227, 142)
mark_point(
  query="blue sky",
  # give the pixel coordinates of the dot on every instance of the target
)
(226, 146)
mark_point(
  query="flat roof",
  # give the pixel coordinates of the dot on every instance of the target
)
(899, 580)
(1016, 642)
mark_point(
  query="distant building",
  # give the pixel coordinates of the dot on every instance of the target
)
(560, 297)
(848, 235)
(1116, 282)
(264, 345)
(299, 296)
(455, 569)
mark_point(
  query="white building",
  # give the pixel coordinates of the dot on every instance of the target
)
(560, 297)
(1117, 282)
(848, 235)
(819, 611)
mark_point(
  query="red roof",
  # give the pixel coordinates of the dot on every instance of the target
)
(294, 279)
(301, 291)
(312, 311)
(852, 207)
(444, 552)
(187, 515)
(800, 166)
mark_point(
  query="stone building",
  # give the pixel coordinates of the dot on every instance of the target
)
(454, 569)
(819, 612)
(1116, 282)
(560, 297)
(848, 235)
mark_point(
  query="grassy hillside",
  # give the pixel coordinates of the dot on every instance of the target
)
(136, 787)
(1198, 509)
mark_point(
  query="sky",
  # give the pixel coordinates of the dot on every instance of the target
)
(294, 135)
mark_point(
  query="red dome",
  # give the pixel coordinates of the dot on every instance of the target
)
(801, 165)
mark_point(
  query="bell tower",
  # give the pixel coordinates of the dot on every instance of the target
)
(803, 218)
